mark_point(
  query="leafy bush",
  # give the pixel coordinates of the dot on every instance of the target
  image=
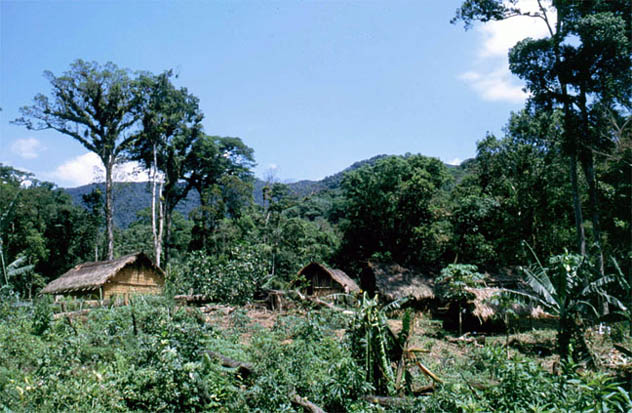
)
(42, 316)
(455, 278)
(492, 382)
(105, 364)
(150, 356)
(311, 363)
(233, 279)
(453, 283)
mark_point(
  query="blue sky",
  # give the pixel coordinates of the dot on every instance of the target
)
(312, 86)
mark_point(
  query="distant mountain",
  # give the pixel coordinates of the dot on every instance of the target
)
(129, 199)
(132, 197)
(307, 187)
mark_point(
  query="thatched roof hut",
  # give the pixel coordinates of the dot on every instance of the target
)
(509, 278)
(392, 282)
(131, 274)
(322, 280)
(484, 308)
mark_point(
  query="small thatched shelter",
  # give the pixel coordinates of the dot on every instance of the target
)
(125, 276)
(509, 278)
(484, 308)
(392, 282)
(322, 280)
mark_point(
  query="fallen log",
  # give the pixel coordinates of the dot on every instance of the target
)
(244, 369)
(426, 370)
(465, 338)
(191, 298)
(217, 307)
(322, 303)
(386, 401)
(301, 401)
(424, 390)
(623, 350)
(71, 314)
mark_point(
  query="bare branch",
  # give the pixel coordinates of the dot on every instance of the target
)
(545, 17)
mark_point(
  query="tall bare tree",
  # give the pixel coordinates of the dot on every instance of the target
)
(96, 105)
(171, 123)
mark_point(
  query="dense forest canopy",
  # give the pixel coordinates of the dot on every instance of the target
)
(409, 209)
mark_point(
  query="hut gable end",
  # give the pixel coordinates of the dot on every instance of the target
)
(323, 280)
(134, 273)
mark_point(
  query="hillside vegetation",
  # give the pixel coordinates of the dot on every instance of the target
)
(132, 197)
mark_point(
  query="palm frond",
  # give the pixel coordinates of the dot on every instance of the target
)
(395, 305)
(16, 267)
(17, 262)
(620, 277)
(596, 286)
(588, 305)
(542, 286)
(534, 254)
(531, 298)
(5, 215)
(19, 271)
(615, 302)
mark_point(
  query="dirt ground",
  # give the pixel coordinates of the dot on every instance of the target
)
(439, 349)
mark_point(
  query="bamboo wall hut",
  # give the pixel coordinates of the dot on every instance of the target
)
(393, 282)
(322, 280)
(122, 277)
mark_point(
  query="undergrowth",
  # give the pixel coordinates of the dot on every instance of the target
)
(151, 356)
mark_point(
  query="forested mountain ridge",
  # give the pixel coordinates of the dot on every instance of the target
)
(129, 199)
(132, 197)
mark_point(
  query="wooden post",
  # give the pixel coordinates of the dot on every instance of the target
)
(460, 320)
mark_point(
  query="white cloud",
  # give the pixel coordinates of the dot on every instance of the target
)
(27, 148)
(130, 172)
(273, 166)
(88, 168)
(491, 78)
(500, 36)
(455, 162)
(81, 170)
(496, 85)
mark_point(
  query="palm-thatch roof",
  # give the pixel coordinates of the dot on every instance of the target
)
(485, 309)
(92, 275)
(392, 281)
(509, 277)
(339, 276)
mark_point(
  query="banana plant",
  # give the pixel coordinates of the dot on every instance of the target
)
(569, 289)
(626, 287)
(373, 342)
(4, 220)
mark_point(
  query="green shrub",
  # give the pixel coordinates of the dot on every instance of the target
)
(312, 363)
(42, 315)
(492, 382)
(103, 364)
(232, 279)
